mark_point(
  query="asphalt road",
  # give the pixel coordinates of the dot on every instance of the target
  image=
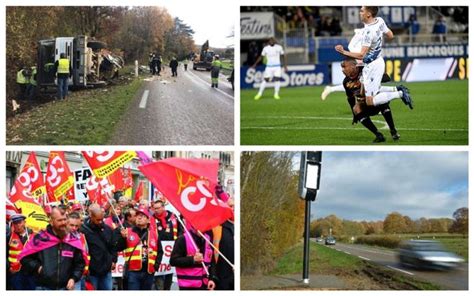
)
(456, 279)
(181, 110)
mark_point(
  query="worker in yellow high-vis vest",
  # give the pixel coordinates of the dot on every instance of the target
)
(63, 71)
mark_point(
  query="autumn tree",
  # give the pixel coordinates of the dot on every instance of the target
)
(394, 223)
(461, 221)
(272, 213)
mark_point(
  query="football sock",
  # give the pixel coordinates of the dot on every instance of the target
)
(385, 97)
(338, 87)
(277, 86)
(387, 114)
(367, 122)
(262, 87)
(388, 88)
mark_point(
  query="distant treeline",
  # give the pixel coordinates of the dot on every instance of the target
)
(394, 223)
(272, 214)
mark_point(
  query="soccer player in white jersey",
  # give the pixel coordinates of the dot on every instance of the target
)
(273, 53)
(374, 64)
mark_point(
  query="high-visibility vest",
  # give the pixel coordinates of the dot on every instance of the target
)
(20, 77)
(135, 258)
(63, 66)
(32, 78)
(15, 248)
(87, 260)
(194, 277)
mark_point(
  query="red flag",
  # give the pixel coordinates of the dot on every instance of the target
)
(104, 163)
(139, 193)
(38, 187)
(59, 179)
(186, 183)
(95, 191)
(71, 194)
(29, 183)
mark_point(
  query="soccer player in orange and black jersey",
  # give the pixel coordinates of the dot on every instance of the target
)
(356, 99)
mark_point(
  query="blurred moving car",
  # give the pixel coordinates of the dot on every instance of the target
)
(319, 240)
(330, 241)
(427, 254)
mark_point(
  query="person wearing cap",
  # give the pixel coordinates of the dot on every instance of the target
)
(142, 251)
(19, 236)
(101, 242)
(168, 230)
(216, 67)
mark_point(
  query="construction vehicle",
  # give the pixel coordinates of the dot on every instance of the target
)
(87, 57)
(204, 59)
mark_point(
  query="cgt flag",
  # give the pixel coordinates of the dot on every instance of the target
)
(59, 179)
(104, 163)
(29, 184)
(186, 183)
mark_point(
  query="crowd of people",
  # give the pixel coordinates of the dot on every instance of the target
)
(81, 245)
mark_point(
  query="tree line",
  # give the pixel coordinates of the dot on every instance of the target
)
(394, 223)
(132, 32)
(271, 211)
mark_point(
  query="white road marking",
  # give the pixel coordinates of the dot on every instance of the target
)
(144, 99)
(207, 83)
(364, 258)
(337, 249)
(347, 253)
(401, 270)
(385, 126)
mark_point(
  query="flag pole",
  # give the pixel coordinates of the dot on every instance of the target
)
(215, 248)
(113, 210)
(192, 241)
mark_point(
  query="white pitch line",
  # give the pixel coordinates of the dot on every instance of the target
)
(207, 83)
(385, 125)
(144, 99)
(401, 270)
(364, 258)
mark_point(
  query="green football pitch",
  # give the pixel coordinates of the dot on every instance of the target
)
(300, 117)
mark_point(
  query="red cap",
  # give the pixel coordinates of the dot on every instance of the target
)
(76, 207)
(144, 211)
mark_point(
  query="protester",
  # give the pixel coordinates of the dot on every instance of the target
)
(102, 248)
(168, 230)
(17, 238)
(74, 225)
(195, 268)
(224, 271)
(53, 256)
(142, 252)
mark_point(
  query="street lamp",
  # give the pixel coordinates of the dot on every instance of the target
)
(310, 173)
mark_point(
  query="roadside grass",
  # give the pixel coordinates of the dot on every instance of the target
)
(361, 274)
(87, 117)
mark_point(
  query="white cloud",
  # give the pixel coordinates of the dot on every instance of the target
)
(369, 185)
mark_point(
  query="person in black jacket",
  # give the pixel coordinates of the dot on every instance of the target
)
(225, 272)
(101, 242)
(174, 67)
(180, 259)
(54, 256)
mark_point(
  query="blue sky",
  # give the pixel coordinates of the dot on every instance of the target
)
(369, 185)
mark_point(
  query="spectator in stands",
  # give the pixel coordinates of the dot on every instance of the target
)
(440, 29)
(335, 27)
(413, 27)
(325, 27)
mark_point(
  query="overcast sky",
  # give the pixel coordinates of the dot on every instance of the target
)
(210, 21)
(369, 185)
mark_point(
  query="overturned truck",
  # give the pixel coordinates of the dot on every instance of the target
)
(91, 63)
